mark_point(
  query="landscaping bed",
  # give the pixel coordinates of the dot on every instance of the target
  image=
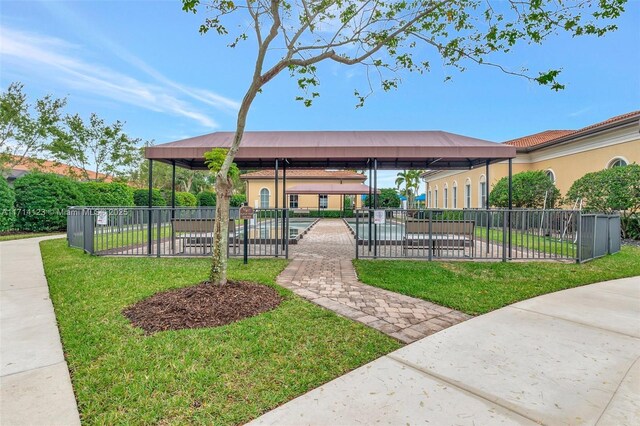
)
(480, 287)
(221, 375)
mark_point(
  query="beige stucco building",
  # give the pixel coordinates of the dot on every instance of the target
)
(566, 155)
(260, 188)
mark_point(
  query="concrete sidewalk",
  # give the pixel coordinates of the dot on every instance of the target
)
(35, 386)
(564, 358)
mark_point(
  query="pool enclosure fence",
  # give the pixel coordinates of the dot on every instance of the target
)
(494, 234)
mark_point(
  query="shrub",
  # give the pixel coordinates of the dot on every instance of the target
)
(141, 198)
(206, 199)
(185, 199)
(330, 213)
(7, 200)
(631, 226)
(528, 191)
(237, 200)
(611, 190)
(388, 198)
(106, 194)
(42, 200)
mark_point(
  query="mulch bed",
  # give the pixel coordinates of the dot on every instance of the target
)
(203, 305)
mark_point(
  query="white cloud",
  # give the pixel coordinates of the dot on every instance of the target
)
(56, 59)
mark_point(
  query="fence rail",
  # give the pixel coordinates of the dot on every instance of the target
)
(496, 234)
(180, 231)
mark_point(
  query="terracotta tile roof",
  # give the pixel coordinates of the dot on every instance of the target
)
(306, 174)
(30, 164)
(611, 120)
(550, 136)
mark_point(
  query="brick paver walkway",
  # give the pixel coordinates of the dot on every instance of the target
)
(321, 271)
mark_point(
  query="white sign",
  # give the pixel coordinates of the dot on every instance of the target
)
(379, 217)
(102, 217)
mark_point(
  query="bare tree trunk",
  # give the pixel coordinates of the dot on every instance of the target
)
(218, 273)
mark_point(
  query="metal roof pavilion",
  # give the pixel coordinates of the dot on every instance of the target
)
(339, 149)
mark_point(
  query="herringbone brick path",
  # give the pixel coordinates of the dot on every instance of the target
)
(321, 271)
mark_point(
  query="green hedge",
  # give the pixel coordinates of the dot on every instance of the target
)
(206, 199)
(237, 200)
(7, 200)
(106, 194)
(185, 199)
(329, 214)
(141, 198)
(42, 200)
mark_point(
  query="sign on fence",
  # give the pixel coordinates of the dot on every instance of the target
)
(102, 217)
(379, 217)
(246, 212)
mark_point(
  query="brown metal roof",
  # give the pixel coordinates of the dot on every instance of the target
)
(329, 188)
(306, 174)
(340, 149)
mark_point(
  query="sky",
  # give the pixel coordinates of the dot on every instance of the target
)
(144, 62)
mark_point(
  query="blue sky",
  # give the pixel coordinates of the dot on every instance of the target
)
(145, 63)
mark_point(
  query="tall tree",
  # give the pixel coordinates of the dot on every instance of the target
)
(25, 128)
(94, 145)
(386, 37)
(410, 179)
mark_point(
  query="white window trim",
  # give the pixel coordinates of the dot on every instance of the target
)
(552, 174)
(260, 197)
(616, 158)
(454, 194)
(468, 195)
(445, 196)
(481, 204)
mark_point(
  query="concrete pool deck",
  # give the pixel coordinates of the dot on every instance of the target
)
(571, 357)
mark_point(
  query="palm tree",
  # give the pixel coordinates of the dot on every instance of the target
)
(410, 179)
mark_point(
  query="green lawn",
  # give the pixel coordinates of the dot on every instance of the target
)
(530, 240)
(480, 287)
(224, 375)
(23, 235)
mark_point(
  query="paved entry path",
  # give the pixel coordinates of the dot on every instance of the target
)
(321, 271)
(35, 387)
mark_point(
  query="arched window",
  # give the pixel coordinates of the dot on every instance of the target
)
(264, 198)
(551, 175)
(617, 162)
(482, 188)
(435, 196)
(429, 199)
(467, 194)
(455, 194)
(445, 196)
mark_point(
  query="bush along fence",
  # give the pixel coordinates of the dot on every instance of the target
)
(496, 234)
(561, 235)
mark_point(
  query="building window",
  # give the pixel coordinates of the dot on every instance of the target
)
(455, 195)
(293, 201)
(617, 162)
(551, 175)
(323, 201)
(483, 192)
(429, 199)
(435, 196)
(264, 198)
(467, 194)
(445, 197)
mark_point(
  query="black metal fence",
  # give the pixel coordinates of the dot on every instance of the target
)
(180, 231)
(496, 234)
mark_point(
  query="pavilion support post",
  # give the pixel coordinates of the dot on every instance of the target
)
(150, 212)
(370, 202)
(487, 185)
(510, 203)
(284, 203)
(276, 207)
(375, 206)
(486, 205)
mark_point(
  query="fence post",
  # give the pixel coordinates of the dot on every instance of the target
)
(159, 232)
(504, 236)
(87, 230)
(357, 232)
(430, 247)
(579, 237)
